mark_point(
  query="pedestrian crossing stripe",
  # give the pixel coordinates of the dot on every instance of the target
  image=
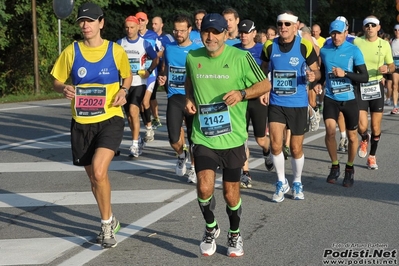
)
(46, 250)
(67, 144)
(41, 251)
(23, 200)
(131, 164)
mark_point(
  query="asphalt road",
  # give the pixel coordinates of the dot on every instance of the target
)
(48, 215)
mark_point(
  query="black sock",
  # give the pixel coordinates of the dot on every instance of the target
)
(266, 153)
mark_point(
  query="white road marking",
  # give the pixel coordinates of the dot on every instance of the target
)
(32, 106)
(21, 200)
(12, 145)
(46, 250)
(67, 144)
(37, 251)
(68, 166)
(130, 230)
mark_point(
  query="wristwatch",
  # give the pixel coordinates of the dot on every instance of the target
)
(126, 90)
(243, 94)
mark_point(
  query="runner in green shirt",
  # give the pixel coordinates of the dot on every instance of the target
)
(219, 80)
(378, 57)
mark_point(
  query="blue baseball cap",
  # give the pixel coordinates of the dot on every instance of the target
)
(337, 25)
(214, 20)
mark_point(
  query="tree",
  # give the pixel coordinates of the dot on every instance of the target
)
(16, 53)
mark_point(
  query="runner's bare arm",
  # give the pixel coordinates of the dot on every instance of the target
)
(67, 90)
(190, 103)
(256, 90)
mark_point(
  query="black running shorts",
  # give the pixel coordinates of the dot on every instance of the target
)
(295, 118)
(231, 160)
(86, 138)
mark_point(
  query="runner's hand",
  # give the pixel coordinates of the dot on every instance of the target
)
(161, 80)
(264, 99)
(120, 98)
(69, 92)
(310, 76)
(318, 88)
(232, 97)
(190, 107)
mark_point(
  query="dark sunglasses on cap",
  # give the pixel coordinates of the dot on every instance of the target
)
(370, 24)
(287, 24)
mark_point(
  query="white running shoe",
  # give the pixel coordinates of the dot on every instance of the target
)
(297, 191)
(208, 244)
(314, 119)
(134, 151)
(343, 145)
(281, 189)
(181, 167)
(149, 135)
(191, 176)
(235, 245)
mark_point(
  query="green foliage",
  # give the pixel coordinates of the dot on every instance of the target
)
(16, 46)
(4, 18)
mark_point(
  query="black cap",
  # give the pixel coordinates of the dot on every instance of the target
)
(246, 26)
(90, 11)
(214, 20)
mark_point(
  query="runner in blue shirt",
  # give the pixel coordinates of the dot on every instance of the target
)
(151, 37)
(343, 65)
(343, 143)
(173, 76)
(165, 39)
(232, 18)
(257, 108)
(293, 63)
(195, 35)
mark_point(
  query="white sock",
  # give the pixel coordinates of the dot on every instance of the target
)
(106, 221)
(343, 135)
(135, 143)
(279, 164)
(297, 167)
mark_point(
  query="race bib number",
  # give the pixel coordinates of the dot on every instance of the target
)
(370, 90)
(90, 101)
(176, 77)
(214, 119)
(134, 65)
(285, 82)
(339, 85)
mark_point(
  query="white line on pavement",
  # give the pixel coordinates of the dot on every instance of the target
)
(37, 251)
(21, 200)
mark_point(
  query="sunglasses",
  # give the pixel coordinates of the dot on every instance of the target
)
(368, 25)
(179, 31)
(287, 24)
(396, 29)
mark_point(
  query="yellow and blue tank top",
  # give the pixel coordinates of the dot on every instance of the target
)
(95, 83)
